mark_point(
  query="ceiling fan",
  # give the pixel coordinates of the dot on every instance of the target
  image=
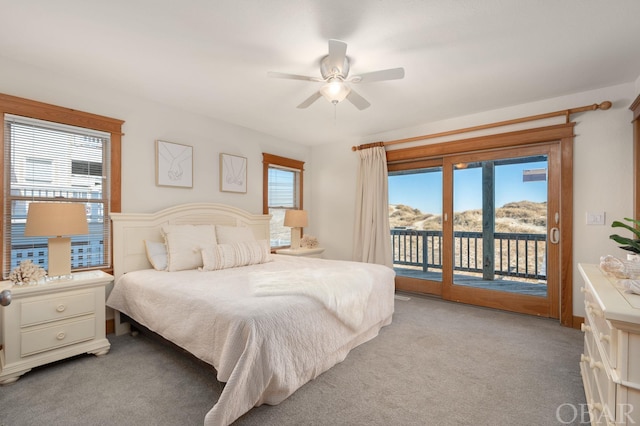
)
(334, 69)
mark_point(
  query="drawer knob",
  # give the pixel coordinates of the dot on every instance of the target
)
(596, 406)
(584, 358)
(593, 309)
(61, 308)
(584, 327)
(61, 335)
(604, 338)
(596, 365)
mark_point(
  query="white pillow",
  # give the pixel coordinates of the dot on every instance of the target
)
(233, 234)
(157, 254)
(184, 244)
(223, 256)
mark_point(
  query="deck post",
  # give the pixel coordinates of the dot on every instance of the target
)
(488, 220)
(425, 257)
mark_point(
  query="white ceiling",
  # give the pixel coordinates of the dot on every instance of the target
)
(212, 56)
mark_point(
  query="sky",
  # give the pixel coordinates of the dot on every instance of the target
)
(424, 190)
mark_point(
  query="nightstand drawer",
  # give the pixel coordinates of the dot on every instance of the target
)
(57, 335)
(53, 308)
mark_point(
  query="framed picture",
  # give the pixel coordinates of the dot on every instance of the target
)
(174, 164)
(233, 173)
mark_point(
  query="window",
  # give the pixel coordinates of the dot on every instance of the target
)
(83, 167)
(52, 154)
(282, 190)
(38, 170)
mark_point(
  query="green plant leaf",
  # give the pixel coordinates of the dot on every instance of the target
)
(628, 243)
(618, 224)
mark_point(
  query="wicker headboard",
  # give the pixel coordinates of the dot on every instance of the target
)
(130, 230)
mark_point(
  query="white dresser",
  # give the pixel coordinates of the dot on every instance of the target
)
(610, 364)
(52, 321)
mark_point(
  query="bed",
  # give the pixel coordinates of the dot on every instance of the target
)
(267, 323)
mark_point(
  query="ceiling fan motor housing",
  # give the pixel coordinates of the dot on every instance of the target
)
(327, 72)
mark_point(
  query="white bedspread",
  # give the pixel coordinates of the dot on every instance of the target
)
(264, 339)
(326, 285)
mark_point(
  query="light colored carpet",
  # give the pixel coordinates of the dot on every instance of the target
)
(438, 363)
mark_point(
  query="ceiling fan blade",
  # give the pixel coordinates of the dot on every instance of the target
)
(292, 76)
(311, 99)
(337, 55)
(370, 77)
(360, 102)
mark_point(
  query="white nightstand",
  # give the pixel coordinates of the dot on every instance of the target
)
(52, 321)
(313, 252)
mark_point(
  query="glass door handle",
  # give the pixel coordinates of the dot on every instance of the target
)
(554, 236)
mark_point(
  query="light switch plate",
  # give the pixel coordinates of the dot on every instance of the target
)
(595, 218)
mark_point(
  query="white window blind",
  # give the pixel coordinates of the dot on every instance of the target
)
(282, 188)
(46, 161)
(284, 193)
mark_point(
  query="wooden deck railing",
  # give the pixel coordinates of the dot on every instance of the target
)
(516, 254)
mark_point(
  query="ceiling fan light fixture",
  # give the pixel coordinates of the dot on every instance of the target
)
(335, 90)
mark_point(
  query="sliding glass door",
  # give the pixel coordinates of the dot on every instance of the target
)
(480, 228)
(415, 219)
(500, 224)
(501, 234)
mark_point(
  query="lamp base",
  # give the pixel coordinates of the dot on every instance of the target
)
(59, 257)
(295, 238)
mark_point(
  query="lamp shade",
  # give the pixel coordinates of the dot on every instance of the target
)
(335, 90)
(295, 218)
(56, 219)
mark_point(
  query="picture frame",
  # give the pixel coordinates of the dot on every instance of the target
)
(174, 164)
(233, 173)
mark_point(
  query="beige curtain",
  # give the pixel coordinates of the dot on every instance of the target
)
(372, 237)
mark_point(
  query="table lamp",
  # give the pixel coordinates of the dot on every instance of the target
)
(296, 219)
(57, 220)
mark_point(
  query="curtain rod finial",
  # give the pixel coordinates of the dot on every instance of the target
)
(354, 148)
(605, 105)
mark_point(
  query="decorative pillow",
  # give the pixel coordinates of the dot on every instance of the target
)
(233, 234)
(223, 256)
(184, 243)
(157, 255)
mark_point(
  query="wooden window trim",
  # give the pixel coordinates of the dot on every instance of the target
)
(43, 111)
(497, 141)
(276, 160)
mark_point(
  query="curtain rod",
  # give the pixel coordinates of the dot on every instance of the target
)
(567, 112)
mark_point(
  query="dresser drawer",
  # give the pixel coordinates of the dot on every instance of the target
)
(591, 392)
(632, 341)
(57, 307)
(40, 339)
(601, 328)
(601, 383)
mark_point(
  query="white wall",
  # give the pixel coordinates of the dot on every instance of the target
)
(603, 161)
(146, 121)
(602, 172)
